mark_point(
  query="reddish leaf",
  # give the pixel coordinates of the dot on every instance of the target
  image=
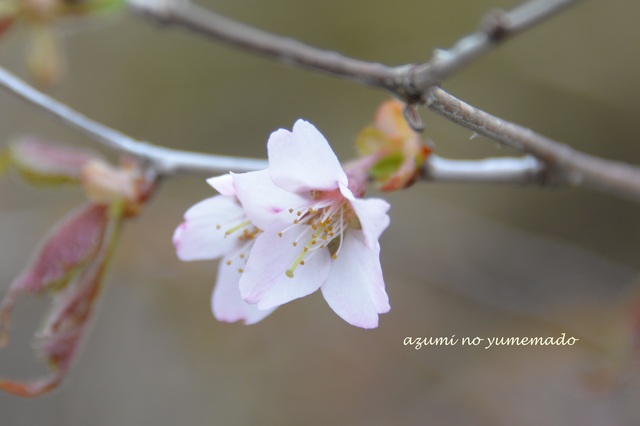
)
(67, 323)
(72, 243)
(48, 162)
(5, 23)
(63, 332)
(31, 389)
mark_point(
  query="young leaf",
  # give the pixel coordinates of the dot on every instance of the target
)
(48, 162)
(399, 150)
(45, 58)
(66, 324)
(72, 243)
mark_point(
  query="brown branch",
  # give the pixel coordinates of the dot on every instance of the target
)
(496, 27)
(409, 82)
(415, 83)
(167, 161)
(289, 51)
(566, 165)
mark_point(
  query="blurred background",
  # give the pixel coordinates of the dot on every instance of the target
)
(469, 260)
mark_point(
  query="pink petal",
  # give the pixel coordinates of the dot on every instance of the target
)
(372, 213)
(266, 205)
(199, 236)
(265, 281)
(302, 160)
(226, 303)
(223, 184)
(355, 287)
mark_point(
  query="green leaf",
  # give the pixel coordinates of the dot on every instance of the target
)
(371, 141)
(385, 167)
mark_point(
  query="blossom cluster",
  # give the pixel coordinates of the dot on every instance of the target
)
(287, 231)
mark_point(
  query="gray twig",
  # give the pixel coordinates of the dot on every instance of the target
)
(165, 161)
(409, 82)
(416, 83)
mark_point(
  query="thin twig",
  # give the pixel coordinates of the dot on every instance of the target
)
(523, 171)
(165, 161)
(414, 83)
(496, 27)
(565, 164)
(409, 82)
(289, 51)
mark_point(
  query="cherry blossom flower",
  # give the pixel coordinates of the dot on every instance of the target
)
(316, 231)
(217, 227)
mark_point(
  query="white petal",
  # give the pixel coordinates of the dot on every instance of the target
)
(226, 303)
(266, 205)
(198, 237)
(264, 280)
(223, 184)
(302, 160)
(372, 213)
(355, 287)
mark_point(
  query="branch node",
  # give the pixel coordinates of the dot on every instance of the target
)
(413, 118)
(496, 25)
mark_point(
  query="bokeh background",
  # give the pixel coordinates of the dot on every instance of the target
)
(469, 260)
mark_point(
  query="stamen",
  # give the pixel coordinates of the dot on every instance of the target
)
(296, 262)
(327, 221)
(238, 227)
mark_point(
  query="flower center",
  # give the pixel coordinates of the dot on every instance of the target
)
(246, 233)
(325, 221)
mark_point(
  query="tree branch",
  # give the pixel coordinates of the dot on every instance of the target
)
(409, 82)
(496, 27)
(165, 161)
(289, 51)
(523, 171)
(414, 83)
(565, 164)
